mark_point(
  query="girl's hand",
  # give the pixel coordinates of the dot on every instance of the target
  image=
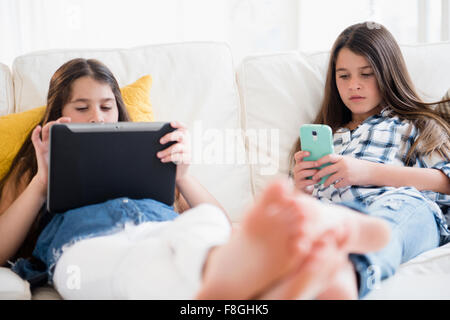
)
(41, 142)
(302, 170)
(180, 152)
(345, 170)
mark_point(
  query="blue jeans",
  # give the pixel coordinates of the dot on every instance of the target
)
(414, 229)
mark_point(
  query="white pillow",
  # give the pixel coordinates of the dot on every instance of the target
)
(424, 277)
(279, 92)
(6, 91)
(13, 287)
(429, 65)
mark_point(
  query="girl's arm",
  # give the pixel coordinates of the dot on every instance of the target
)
(191, 190)
(17, 219)
(420, 178)
(351, 171)
(19, 205)
(194, 193)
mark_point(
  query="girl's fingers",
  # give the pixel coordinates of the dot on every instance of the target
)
(305, 174)
(326, 171)
(35, 138)
(177, 125)
(341, 184)
(177, 135)
(333, 158)
(298, 156)
(46, 129)
(177, 158)
(64, 120)
(176, 148)
(304, 165)
(304, 184)
(332, 179)
(309, 189)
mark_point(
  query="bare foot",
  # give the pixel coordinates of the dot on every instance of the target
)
(258, 253)
(355, 232)
(269, 257)
(343, 286)
(311, 275)
(326, 273)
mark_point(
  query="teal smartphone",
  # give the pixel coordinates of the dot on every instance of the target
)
(317, 139)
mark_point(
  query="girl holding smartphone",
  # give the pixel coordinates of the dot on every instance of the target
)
(391, 155)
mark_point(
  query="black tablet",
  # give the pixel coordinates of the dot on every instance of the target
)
(92, 163)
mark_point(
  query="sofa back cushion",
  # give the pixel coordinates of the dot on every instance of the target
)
(285, 90)
(278, 93)
(6, 91)
(192, 82)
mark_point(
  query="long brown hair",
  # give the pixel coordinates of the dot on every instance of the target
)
(24, 163)
(375, 43)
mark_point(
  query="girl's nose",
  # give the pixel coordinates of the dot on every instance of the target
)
(355, 85)
(97, 117)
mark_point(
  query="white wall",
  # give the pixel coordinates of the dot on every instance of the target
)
(249, 26)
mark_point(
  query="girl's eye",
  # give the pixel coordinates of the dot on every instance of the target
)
(366, 75)
(344, 76)
(81, 108)
(106, 108)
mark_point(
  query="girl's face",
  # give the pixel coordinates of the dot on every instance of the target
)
(91, 101)
(357, 84)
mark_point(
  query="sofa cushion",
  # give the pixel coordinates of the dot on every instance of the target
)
(14, 128)
(424, 277)
(428, 65)
(12, 286)
(279, 92)
(6, 91)
(192, 82)
(46, 292)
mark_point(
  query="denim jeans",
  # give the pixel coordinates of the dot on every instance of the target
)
(101, 219)
(414, 229)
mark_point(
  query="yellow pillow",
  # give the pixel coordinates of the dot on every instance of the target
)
(14, 128)
(137, 99)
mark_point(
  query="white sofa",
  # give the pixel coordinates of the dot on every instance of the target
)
(243, 120)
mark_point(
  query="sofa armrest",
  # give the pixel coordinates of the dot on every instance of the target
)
(13, 287)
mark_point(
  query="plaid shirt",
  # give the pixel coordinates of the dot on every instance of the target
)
(384, 138)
